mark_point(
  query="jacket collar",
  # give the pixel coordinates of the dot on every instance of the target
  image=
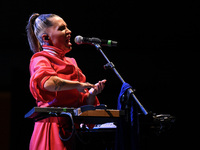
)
(54, 51)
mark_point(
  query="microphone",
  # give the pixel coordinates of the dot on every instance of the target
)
(85, 40)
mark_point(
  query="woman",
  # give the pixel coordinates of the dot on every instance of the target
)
(55, 79)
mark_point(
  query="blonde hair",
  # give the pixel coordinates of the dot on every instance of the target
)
(35, 28)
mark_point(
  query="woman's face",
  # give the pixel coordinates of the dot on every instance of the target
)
(59, 35)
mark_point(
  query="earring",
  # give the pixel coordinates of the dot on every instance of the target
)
(46, 37)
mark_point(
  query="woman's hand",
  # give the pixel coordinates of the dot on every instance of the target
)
(98, 87)
(83, 86)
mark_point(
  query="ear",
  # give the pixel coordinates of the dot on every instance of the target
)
(45, 38)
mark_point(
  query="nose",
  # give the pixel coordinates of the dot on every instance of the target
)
(68, 31)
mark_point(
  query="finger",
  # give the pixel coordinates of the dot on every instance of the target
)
(102, 84)
(89, 85)
(104, 81)
(99, 87)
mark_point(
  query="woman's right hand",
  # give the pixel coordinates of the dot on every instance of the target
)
(83, 86)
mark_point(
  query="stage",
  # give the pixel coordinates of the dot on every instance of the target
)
(157, 54)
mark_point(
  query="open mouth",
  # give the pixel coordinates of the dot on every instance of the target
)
(69, 43)
(68, 40)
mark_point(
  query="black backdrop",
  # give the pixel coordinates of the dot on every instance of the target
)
(157, 55)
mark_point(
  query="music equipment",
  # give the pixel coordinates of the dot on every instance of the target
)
(84, 114)
(103, 133)
(39, 113)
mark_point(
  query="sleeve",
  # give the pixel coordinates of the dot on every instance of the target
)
(41, 70)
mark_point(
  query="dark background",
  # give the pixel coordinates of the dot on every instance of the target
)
(157, 55)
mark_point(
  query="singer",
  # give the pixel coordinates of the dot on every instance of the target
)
(56, 80)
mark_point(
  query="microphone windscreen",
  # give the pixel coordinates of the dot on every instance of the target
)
(78, 39)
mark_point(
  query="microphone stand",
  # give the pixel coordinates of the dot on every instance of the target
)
(131, 105)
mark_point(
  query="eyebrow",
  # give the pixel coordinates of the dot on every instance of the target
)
(62, 26)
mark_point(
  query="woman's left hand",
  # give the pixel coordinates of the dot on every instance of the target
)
(98, 87)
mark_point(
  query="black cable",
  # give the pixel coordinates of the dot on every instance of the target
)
(67, 114)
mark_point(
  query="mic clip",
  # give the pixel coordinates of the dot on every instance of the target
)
(109, 66)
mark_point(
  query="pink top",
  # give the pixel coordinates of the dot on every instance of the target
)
(52, 62)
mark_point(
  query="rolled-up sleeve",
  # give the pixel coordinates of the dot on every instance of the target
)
(41, 70)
